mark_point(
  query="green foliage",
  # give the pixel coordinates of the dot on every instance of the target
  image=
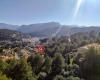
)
(4, 77)
(59, 77)
(90, 68)
(20, 71)
(57, 64)
(1, 50)
(36, 63)
(47, 64)
(42, 75)
(72, 78)
(3, 65)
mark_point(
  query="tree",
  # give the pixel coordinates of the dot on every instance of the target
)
(73, 78)
(20, 71)
(90, 67)
(59, 77)
(3, 65)
(4, 77)
(47, 64)
(36, 63)
(1, 50)
(57, 64)
(42, 76)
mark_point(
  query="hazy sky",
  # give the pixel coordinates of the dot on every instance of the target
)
(69, 12)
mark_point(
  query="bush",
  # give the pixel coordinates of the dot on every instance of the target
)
(20, 71)
(4, 77)
(73, 78)
(59, 77)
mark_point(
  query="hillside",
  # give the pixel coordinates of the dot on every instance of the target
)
(11, 35)
(8, 26)
(50, 29)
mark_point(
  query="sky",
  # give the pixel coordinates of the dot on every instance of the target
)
(66, 12)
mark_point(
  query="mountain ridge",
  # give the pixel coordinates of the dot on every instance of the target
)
(51, 29)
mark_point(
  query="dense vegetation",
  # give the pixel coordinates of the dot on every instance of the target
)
(57, 67)
(61, 61)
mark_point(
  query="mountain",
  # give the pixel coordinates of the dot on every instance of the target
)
(38, 27)
(52, 29)
(49, 29)
(8, 26)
